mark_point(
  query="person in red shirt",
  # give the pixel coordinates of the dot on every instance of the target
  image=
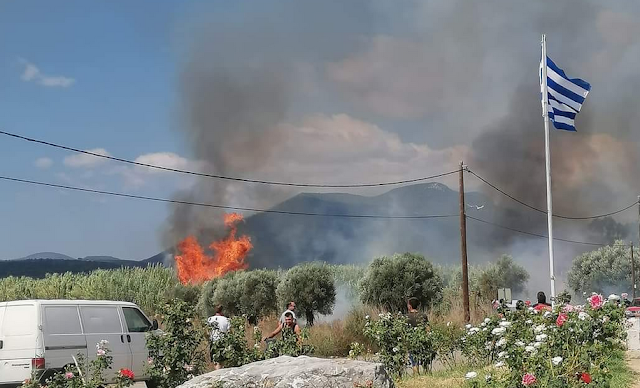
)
(542, 303)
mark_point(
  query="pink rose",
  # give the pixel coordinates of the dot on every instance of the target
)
(596, 301)
(101, 352)
(567, 308)
(528, 379)
(562, 318)
(68, 375)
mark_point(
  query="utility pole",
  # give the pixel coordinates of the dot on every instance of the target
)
(633, 274)
(463, 247)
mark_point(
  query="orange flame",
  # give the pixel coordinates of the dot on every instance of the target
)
(195, 266)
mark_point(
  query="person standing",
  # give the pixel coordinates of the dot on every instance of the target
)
(542, 303)
(291, 307)
(220, 326)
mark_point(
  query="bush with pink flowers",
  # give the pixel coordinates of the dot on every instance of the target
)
(571, 346)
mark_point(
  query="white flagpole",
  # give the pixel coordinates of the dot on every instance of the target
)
(547, 147)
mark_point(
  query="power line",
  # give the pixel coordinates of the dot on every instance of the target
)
(534, 234)
(216, 176)
(237, 208)
(544, 211)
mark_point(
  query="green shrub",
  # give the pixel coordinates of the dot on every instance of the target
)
(176, 355)
(189, 293)
(395, 339)
(206, 305)
(312, 287)
(446, 340)
(227, 293)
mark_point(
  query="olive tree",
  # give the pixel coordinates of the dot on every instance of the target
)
(607, 269)
(206, 305)
(390, 281)
(257, 294)
(250, 293)
(505, 273)
(311, 287)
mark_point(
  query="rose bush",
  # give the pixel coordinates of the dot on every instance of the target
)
(85, 375)
(396, 339)
(176, 355)
(570, 346)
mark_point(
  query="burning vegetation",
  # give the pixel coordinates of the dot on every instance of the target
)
(195, 266)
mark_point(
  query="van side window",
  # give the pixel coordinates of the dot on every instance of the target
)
(19, 320)
(100, 320)
(62, 320)
(136, 321)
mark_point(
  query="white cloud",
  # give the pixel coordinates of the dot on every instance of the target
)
(342, 149)
(163, 159)
(138, 176)
(43, 163)
(86, 161)
(31, 73)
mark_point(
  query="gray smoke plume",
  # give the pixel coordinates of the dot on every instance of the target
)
(438, 73)
(236, 90)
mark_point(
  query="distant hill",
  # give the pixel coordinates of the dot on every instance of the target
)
(102, 259)
(38, 268)
(281, 240)
(46, 255)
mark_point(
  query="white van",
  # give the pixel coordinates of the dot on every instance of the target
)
(44, 336)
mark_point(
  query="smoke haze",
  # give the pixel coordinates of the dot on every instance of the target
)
(364, 91)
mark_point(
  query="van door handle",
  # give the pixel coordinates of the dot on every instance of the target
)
(1, 344)
(128, 338)
(121, 338)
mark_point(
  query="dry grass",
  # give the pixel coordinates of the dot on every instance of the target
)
(448, 379)
(455, 313)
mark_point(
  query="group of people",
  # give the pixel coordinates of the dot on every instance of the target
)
(220, 325)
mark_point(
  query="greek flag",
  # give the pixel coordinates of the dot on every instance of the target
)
(566, 96)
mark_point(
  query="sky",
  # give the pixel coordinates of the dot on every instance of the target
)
(329, 92)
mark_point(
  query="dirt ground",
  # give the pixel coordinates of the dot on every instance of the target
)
(633, 360)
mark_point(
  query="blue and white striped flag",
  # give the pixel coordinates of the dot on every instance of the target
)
(566, 96)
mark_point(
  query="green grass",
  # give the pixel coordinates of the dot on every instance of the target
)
(623, 375)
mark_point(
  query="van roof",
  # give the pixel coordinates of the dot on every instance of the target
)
(66, 301)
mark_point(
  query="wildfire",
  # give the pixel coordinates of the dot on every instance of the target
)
(195, 266)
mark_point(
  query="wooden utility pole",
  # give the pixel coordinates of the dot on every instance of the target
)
(633, 274)
(463, 247)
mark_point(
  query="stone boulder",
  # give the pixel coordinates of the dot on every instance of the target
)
(297, 372)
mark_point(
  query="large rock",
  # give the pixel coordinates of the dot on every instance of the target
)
(297, 372)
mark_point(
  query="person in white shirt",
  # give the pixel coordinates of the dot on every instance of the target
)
(291, 309)
(220, 326)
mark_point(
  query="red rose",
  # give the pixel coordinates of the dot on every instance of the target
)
(127, 373)
(527, 303)
(585, 377)
(562, 318)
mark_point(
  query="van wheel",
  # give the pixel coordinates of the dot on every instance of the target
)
(152, 383)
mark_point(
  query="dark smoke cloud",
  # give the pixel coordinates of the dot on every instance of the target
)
(441, 73)
(237, 85)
